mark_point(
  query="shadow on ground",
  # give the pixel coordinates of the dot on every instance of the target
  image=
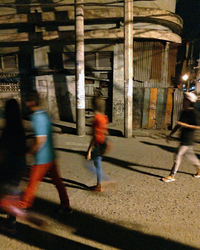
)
(164, 147)
(41, 239)
(132, 166)
(65, 129)
(72, 130)
(167, 148)
(69, 183)
(87, 227)
(98, 230)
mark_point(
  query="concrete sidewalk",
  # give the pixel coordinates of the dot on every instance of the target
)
(141, 212)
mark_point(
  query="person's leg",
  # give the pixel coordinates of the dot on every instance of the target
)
(54, 174)
(193, 158)
(97, 164)
(36, 175)
(181, 151)
(178, 158)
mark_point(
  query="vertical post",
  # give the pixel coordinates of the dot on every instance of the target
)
(197, 78)
(80, 68)
(128, 68)
(165, 67)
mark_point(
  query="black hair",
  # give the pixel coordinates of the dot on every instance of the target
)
(99, 104)
(13, 129)
(12, 144)
(33, 96)
(12, 115)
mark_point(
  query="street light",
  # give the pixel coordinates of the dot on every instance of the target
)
(185, 78)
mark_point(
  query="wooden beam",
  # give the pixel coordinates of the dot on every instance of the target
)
(152, 108)
(94, 34)
(16, 18)
(145, 116)
(98, 13)
(18, 37)
(169, 107)
(139, 33)
(8, 50)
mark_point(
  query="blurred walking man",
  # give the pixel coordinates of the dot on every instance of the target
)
(44, 155)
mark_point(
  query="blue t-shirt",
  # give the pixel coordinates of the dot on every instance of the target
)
(42, 127)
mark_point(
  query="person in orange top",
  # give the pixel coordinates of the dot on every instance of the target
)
(99, 144)
(100, 126)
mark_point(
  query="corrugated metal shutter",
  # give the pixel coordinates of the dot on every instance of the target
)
(142, 61)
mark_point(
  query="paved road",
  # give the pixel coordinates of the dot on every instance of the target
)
(140, 213)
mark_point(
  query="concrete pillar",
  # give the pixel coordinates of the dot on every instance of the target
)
(80, 72)
(198, 78)
(165, 66)
(128, 67)
(118, 85)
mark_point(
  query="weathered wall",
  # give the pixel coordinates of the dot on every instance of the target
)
(57, 88)
(45, 86)
(57, 96)
(169, 5)
(150, 71)
(41, 57)
(152, 92)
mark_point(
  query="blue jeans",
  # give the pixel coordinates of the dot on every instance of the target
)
(97, 163)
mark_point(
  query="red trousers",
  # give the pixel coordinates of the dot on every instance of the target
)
(36, 175)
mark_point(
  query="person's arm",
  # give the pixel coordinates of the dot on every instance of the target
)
(38, 144)
(178, 126)
(88, 157)
(173, 131)
(186, 125)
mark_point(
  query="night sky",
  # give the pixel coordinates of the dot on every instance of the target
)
(189, 10)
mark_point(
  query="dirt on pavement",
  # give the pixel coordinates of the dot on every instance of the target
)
(140, 212)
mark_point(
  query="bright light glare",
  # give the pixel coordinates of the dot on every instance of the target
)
(185, 77)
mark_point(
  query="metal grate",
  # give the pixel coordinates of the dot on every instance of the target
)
(9, 87)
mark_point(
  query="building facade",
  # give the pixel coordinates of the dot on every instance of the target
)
(37, 45)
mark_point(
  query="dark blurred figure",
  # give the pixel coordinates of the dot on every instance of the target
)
(12, 144)
(44, 156)
(187, 123)
(12, 157)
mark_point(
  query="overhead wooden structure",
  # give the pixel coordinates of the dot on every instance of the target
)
(46, 26)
